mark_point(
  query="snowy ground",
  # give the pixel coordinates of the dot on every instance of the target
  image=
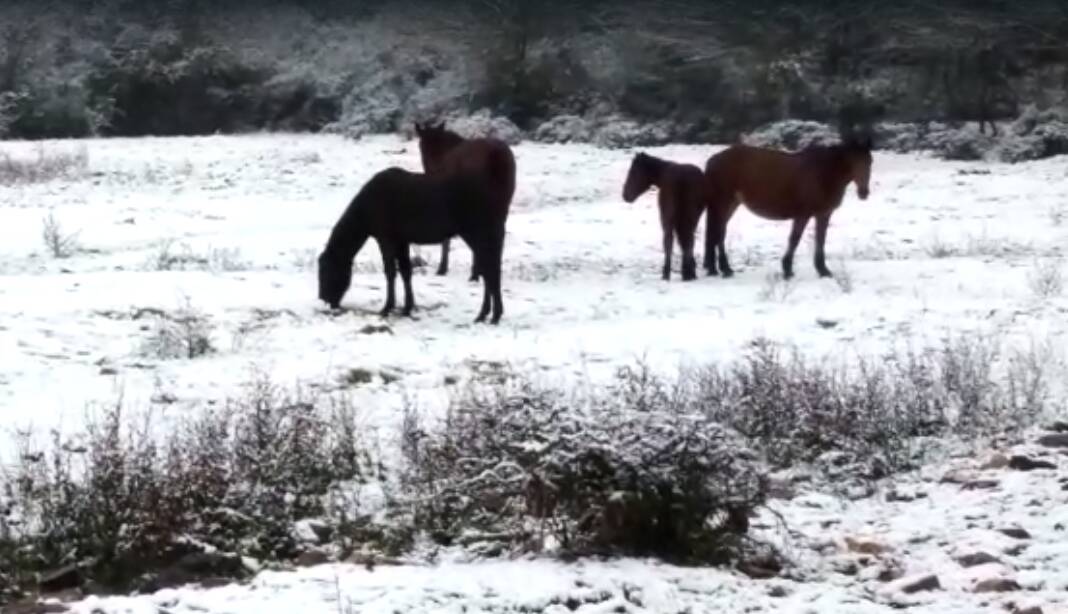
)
(927, 534)
(940, 248)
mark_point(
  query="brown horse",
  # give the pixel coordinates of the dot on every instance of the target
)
(444, 152)
(777, 185)
(680, 198)
(398, 209)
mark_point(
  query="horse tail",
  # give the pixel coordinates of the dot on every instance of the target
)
(501, 170)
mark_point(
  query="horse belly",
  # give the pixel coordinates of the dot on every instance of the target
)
(768, 207)
(425, 224)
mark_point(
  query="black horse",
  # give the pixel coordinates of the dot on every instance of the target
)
(400, 208)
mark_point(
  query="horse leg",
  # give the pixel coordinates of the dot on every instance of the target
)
(685, 232)
(474, 270)
(667, 226)
(795, 238)
(719, 235)
(443, 264)
(721, 244)
(404, 261)
(389, 266)
(492, 277)
(481, 255)
(711, 226)
(669, 240)
(822, 222)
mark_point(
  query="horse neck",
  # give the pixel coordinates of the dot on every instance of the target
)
(350, 232)
(447, 143)
(657, 170)
(833, 161)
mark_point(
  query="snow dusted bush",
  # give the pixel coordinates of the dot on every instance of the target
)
(629, 470)
(565, 129)
(184, 334)
(122, 502)
(792, 135)
(395, 88)
(610, 131)
(1036, 134)
(483, 123)
(47, 165)
(7, 112)
(906, 137)
(617, 132)
(58, 242)
(873, 413)
(963, 144)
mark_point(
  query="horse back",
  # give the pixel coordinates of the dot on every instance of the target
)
(773, 184)
(426, 209)
(489, 157)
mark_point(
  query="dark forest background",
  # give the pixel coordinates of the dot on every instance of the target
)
(699, 71)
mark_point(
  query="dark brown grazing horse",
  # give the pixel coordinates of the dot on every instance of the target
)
(777, 185)
(399, 208)
(444, 152)
(681, 200)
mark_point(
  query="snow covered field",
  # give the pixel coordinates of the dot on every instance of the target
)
(231, 226)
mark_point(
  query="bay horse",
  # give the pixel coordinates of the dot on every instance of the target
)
(444, 152)
(779, 185)
(399, 208)
(680, 198)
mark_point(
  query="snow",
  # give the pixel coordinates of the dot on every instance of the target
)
(940, 248)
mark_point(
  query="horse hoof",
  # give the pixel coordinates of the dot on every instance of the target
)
(441, 272)
(825, 274)
(727, 274)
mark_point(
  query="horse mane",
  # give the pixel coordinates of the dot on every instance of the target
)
(651, 162)
(440, 135)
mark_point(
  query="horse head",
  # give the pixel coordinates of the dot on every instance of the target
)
(335, 277)
(858, 156)
(435, 141)
(855, 130)
(639, 178)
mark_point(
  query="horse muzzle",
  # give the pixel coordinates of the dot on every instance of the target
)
(862, 193)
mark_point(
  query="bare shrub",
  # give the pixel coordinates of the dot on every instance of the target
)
(170, 256)
(873, 411)
(44, 167)
(631, 469)
(985, 245)
(58, 242)
(776, 288)
(843, 277)
(226, 260)
(233, 479)
(936, 248)
(1057, 214)
(1046, 278)
(183, 334)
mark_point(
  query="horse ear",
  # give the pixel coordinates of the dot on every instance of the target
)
(418, 129)
(440, 126)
